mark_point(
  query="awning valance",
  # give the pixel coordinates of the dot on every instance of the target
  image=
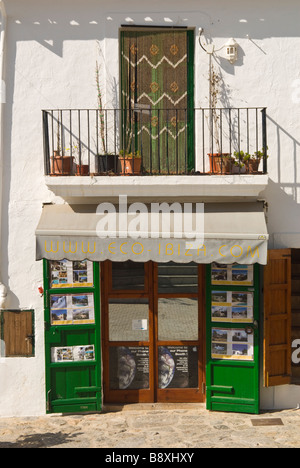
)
(233, 233)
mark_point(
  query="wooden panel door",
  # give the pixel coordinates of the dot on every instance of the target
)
(277, 318)
(153, 332)
(179, 298)
(127, 338)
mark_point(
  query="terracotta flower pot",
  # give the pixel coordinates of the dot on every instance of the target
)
(252, 165)
(130, 166)
(82, 169)
(61, 165)
(220, 163)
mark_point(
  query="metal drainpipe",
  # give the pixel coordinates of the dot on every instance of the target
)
(3, 290)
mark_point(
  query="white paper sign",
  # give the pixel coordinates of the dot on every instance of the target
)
(140, 324)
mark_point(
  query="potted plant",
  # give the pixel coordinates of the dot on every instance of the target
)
(220, 162)
(61, 164)
(106, 162)
(76, 152)
(130, 162)
(250, 161)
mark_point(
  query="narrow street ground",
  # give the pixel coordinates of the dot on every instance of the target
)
(153, 426)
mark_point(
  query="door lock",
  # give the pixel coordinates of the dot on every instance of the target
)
(254, 326)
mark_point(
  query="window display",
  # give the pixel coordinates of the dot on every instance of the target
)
(67, 274)
(236, 275)
(66, 309)
(73, 353)
(232, 306)
(232, 344)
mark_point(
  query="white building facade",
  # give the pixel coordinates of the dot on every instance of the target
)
(50, 102)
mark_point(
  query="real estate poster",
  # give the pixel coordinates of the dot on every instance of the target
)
(232, 306)
(73, 353)
(232, 344)
(67, 274)
(232, 275)
(68, 309)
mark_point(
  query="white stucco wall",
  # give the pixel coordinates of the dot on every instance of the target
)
(52, 49)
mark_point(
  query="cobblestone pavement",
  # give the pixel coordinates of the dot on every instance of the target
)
(152, 426)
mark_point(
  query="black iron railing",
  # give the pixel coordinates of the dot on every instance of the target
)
(145, 141)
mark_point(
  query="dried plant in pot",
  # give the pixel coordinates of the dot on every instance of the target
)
(60, 164)
(106, 162)
(220, 162)
(130, 163)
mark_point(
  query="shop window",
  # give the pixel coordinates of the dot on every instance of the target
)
(16, 333)
(128, 276)
(174, 278)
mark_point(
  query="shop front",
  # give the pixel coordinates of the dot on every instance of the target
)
(152, 319)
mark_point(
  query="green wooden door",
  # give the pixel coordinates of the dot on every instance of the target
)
(72, 336)
(157, 94)
(232, 374)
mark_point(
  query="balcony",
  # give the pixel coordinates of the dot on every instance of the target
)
(92, 152)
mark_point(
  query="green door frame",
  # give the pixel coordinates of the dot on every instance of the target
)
(73, 386)
(233, 385)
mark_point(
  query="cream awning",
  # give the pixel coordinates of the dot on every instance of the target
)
(233, 233)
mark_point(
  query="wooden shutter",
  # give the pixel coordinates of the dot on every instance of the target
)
(277, 318)
(17, 332)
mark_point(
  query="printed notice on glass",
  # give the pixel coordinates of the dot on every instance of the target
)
(177, 367)
(139, 324)
(232, 344)
(72, 309)
(231, 306)
(67, 274)
(73, 353)
(232, 275)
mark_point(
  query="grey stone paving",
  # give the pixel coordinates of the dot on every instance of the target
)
(152, 426)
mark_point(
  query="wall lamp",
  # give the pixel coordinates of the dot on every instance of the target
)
(231, 48)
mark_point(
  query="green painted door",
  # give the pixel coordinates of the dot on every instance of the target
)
(72, 336)
(157, 95)
(232, 373)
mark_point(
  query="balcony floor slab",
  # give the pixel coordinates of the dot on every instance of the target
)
(84, 189)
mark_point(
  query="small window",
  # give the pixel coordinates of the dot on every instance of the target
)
(16, 333)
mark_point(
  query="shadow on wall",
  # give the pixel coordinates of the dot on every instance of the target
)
(286, 160)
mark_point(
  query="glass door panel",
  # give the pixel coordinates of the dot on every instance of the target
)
(178, 319)
(128, 319)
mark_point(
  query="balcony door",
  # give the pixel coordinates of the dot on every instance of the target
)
(153, 332)
(157, 98)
